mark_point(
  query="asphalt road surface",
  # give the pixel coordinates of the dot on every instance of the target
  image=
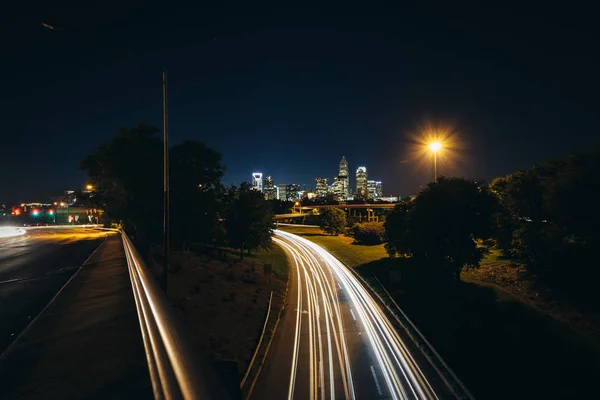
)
(334, 342)
(33, 268)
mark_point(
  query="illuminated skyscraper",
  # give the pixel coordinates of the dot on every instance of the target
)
(372, 189)
(270, 190)
(321, 187)
(292, 192)
(378, 189)
(282, 191)
(257, 181)
(344, 181)
(361, 183)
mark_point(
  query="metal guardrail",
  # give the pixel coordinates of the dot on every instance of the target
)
(175, 370)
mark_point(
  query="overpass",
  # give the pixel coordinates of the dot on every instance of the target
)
(368, 212)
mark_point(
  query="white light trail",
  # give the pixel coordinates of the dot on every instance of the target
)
(319, 275)
(11, 231)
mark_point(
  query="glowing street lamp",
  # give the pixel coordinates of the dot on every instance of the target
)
(435, 147)
(89, 187)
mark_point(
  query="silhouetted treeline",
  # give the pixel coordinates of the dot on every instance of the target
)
(550, 223)
(545, 217)
(127, 173)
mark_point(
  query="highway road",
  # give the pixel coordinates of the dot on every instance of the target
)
(33, 268)
(334, 341)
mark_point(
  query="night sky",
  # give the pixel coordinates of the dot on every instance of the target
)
(290, 91)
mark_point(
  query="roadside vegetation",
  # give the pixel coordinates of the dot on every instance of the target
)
(223, 300)
(220, 239)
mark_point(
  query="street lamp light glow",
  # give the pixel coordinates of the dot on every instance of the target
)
(435, 146)
(89, 187)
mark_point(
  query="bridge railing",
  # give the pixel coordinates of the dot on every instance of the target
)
(176, 370)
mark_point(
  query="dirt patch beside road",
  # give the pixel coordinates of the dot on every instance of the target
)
(223, 301)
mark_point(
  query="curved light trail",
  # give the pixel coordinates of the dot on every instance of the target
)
(10, 231)
(321, 338)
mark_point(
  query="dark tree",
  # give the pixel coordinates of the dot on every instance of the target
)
(442, 226)
(196, 172)
(281, 206)
(396, 230)
(333, 221)
(249, 221)
(126, 172)
(553, 220)
(367, 233)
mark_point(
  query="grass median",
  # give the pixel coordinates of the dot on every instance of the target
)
(223, 300)
(498, 345)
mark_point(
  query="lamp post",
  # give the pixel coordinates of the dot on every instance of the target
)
(166, 184)
(435, 147)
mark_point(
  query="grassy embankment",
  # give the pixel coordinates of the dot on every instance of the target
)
(223, 301)
(500, 345)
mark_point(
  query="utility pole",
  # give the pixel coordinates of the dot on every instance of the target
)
(164, 279)
(435, 167)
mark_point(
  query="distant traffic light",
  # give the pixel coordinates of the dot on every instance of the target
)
(35, 212)
(50, 212)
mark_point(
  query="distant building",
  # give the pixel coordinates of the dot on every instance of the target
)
(288, 192)
(270, 189)
(372, 189)
(321, 187)
(361, 183)
(292, 192)
(337, 188)
(257, 181)
(344, 185)
(378, 189)
(282, 191)
(390, 199)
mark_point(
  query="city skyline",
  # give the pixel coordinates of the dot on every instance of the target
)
(340, 185)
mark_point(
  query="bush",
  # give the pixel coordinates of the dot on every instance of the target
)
(367, 233)
(333, 221)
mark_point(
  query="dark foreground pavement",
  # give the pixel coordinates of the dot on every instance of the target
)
(87, 343)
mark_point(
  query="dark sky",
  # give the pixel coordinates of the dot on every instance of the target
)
(289, 91)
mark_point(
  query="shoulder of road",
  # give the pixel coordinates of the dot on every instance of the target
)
(86, 342)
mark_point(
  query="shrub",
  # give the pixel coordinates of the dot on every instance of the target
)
(367, 233)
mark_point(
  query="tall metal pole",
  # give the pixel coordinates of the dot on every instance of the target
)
(435, 167)
(164, 279)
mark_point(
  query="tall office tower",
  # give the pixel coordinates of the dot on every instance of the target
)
(321, 187)
(270, 190)
(282, 191)
(257, 181)
(292, 192)
(378, 189)
(343, 177)
(372, 189)
(361, 183)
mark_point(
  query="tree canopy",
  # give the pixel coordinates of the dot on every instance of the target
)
(126, 172)
(549, 221)
(333, 220)
(441, 225)
(249, 219)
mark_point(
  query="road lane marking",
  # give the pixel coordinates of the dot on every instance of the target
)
(353, 316)
(376, 381)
